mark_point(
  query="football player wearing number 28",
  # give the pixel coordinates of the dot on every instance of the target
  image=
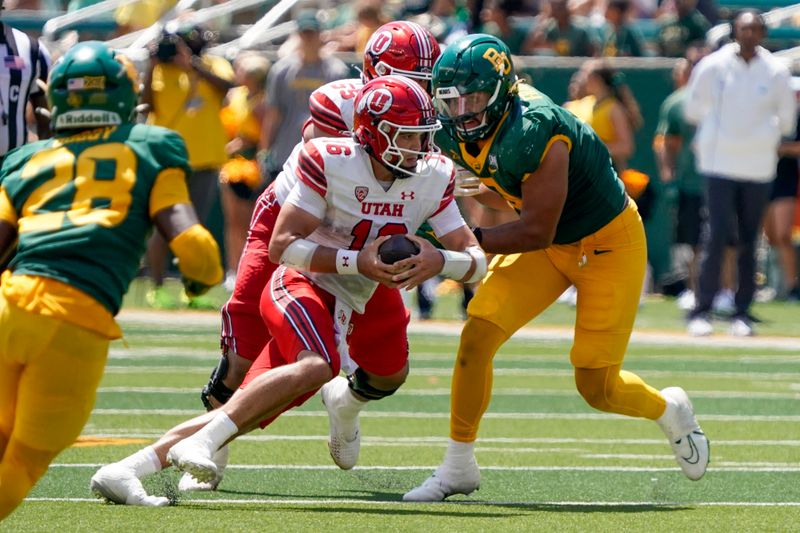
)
(349, 196)
(576, 226)
(82, 205)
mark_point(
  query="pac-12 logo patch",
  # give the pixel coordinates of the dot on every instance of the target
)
(361, 193)
(377, 102)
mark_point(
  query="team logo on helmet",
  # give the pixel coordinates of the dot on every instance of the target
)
(377, 102)
(361, 193)
(380, 42)
(499, 59)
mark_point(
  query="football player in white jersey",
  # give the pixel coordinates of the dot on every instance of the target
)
(349, 195)
(398, 47)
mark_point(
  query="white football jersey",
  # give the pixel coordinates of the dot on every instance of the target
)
(335, 183)
(332, 107)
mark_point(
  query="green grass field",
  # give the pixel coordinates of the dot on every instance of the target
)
(549, 462)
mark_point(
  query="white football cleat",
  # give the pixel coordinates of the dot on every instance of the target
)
(446, 481)
(344, 443)
(689, 443)
(118, 484)
(193, 456)
(189, 483)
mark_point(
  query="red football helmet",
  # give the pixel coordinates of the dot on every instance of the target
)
(400, 47)
(387, 107)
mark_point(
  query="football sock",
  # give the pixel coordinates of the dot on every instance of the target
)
(143, 463)
(618, 391)
(472, 377)
(458, 452)
(218, 431)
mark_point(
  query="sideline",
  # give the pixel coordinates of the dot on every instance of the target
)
(544, 333)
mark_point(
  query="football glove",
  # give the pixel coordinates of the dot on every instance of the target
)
(194, 288)
(467, 183)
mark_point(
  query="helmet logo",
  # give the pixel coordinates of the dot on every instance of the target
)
(377, 102)
(380, 42)
(86, 83)
(499, 59)
(74, 100)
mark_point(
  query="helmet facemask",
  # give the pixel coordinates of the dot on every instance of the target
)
(468, 113)
(395, 155)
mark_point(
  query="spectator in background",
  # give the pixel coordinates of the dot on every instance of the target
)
(496, 20)
(620, 37)
(741, 99)
(240, 178)
(290, 82)
(677, 31)
(185, 88)
(683, 185)
(353, 36)
(780, 214)
(140, 14)
(615, 114)
(444, 20)
(560, 34)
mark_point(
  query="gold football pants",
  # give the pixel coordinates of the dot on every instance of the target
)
(607, 268)
(49, 372)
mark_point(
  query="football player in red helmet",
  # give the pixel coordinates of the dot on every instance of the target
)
(394, 120)
(401, 47)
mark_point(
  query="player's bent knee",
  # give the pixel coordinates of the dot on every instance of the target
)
(479, 339)
(363, 385)
(315, 371)
(215, 388)
(593, 387)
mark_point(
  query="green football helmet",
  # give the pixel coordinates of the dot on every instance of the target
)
(91, 86)
(473, 85)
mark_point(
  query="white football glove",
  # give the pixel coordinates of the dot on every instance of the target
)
(467, 183)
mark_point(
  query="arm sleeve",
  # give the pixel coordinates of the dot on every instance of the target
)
(169, 186)
(7, 211)
(198, 255)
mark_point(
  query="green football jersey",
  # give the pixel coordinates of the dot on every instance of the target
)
(83, 204)
(519, 143)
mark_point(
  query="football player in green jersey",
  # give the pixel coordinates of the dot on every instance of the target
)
(576, 226)
(82, 205)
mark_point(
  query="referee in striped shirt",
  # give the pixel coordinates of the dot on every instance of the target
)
(23, 62)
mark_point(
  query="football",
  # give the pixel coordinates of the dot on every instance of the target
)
(396, 248)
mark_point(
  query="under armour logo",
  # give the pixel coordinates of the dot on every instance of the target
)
(345, 262)
(342, 317)
(407, 195)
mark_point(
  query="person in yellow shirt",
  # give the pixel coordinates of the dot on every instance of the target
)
(185, 89)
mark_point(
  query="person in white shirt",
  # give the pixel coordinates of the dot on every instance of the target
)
(741, 99)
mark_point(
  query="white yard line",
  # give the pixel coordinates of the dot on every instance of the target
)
(441, 441)
(780, 468)
(506, 416)
(373, 503)
(496, 391)
(527, 333)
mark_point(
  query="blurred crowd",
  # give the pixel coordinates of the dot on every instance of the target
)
(241, 118)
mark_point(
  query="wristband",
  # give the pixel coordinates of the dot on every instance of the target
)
(347, 261)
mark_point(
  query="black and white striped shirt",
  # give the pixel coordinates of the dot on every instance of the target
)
(22, 61)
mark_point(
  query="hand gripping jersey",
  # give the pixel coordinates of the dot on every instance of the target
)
(518, 145)
(331, 107)
(84, 204)
(357, 209)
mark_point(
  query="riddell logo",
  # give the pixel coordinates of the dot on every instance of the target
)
(77, 119)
